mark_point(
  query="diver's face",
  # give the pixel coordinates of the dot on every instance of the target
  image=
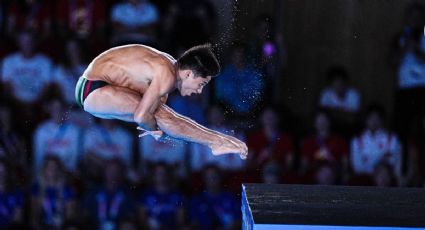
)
(193, 84)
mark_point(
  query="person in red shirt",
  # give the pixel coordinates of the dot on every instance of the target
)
(270, 143)
(323, 145)
(80, 18)
(83, 20)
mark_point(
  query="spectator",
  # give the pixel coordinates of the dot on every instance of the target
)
(240, 85)
(272, 173)
(11, 200)
(200, 15)
(66, 74)
(134, 21)
(341, 101)
(31, 16)
(339, 95)
(326, 173)
(409, 56)
(161, 207)
(102, 142)
(383, 175)
(26, 72)
(52, 199)
(57, 136)
(111, 202)
(323, 145)
(82, 19)
(172, 151)
(270, 143)
(202, 155)
(108, 140)
(214, 208)
(375, 144)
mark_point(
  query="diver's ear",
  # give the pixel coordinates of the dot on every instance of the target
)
(187, 73)
(191, 74)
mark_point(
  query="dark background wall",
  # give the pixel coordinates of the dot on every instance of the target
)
(318, 34)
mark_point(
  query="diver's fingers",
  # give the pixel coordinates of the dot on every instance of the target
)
(144, 134)
(140, 128)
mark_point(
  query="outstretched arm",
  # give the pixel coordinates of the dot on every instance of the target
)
(181, 127)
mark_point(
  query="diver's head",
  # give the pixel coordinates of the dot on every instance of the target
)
(195, 68)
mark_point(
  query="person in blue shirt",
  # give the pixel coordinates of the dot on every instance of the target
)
(162, 207)
(105, 206)
(52, 199)
(240, 86)
(214, 208)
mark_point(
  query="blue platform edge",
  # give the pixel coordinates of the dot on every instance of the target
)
(249, 224)
(320, 227)
(247, 219)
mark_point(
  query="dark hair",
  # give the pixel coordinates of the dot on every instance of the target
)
(201, 60)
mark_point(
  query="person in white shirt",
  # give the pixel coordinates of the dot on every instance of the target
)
(171, 151)
(26, 72)
(56, 136)
(134, 21)
(108, 140)
(409, 56)
(375, 144)
(339, 95)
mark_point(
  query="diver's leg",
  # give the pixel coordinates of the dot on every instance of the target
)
(113, 102)
(181, 127)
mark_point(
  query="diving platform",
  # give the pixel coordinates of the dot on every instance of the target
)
(313, 207)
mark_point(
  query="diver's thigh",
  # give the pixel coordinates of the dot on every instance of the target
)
(112, 102)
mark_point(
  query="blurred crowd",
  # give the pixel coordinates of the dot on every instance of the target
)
(61, 168)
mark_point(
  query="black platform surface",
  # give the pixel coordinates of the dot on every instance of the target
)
(335, 205)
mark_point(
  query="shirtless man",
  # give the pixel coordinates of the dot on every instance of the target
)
(132, 82)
